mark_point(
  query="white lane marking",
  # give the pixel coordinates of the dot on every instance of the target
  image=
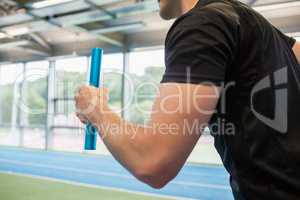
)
(181, 183)
(99, 156)
(107, 158)
(65, 169)
(212, 186)
(96, 186)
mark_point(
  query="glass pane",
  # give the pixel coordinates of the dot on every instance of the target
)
(34, 114)
(67, 131)
(112, 69)
(145, 72)
(10, 84)
(111, 78)
(71, 73)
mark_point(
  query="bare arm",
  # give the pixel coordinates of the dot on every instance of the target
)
(155, 153)
(296, 50)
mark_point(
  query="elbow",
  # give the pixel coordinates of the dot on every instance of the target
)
(156, 176)
(157, 184)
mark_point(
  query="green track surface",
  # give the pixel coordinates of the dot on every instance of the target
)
(17, 187)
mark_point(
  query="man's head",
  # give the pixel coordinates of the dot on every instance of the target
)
(174, 8)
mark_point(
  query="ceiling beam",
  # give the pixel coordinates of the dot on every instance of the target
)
(97, 7)
(41, 41)
(25, 45)
(12, 44)
(104, 38)
(51, 22)
(122, 27)
(34, 50)
(96, 14)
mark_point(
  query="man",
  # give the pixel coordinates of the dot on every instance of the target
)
(226, 66)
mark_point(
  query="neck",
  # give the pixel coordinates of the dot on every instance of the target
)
(186, 6)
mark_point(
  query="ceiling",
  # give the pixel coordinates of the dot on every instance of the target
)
(31, 30)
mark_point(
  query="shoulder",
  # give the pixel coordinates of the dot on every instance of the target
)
(218, 14)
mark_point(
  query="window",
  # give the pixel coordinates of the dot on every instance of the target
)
(67, 130)
(10, 83)
(24, 100)
(33, 114)
(112, 70)
(145, 72)
(70, 74)
(36, 93)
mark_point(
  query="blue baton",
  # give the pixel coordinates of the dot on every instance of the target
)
(94, 80)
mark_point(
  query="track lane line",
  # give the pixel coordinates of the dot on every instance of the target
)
(180, 183)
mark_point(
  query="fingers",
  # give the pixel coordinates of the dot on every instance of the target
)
(82, 118)
(83, 96)
(81, 101)
(90, 90)
(88, 99)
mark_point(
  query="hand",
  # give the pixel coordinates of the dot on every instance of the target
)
(90, 102)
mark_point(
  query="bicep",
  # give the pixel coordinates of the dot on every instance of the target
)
(180, 113)
(296, 50)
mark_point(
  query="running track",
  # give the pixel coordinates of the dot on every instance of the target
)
(194, 181)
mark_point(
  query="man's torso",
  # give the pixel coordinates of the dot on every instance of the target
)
(260, 102)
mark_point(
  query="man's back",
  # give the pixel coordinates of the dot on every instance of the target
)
(263, 105)
(261, 76)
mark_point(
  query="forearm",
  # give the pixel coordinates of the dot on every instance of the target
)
(120, 137)
(144, 150)
(153, 153)
(135, 148)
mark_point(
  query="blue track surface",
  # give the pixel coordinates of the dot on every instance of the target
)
(194, 181)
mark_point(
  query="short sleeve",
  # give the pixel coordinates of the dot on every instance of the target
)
(199, 48)
(291, 41)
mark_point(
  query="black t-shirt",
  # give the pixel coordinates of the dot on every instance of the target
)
(258, 131)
